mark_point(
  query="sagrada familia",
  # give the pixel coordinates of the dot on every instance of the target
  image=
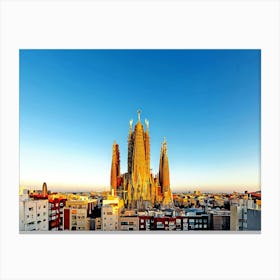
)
(139, 188)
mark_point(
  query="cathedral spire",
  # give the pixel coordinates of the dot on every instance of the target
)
(147, 149)
(139, 112)
(115, 167)
(139, 157)
(164, 175)
(147, 124)
(130, 125)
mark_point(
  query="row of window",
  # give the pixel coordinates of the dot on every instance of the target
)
(78, 217)
(127, 223)
(39, 207)
(198, 221)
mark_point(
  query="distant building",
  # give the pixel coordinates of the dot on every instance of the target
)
(33, 214)
(44, 189)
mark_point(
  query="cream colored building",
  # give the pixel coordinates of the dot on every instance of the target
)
(76, 215)
(128, 223)
(110, 217)
(110, 213)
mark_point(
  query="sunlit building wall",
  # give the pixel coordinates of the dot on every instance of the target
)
(110, 217)
(76, 215)
(33, 214)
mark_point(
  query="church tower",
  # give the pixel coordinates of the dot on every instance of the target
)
(115, 168)
(130, 148)
(164, 180)
(139, 177)
(147, 149)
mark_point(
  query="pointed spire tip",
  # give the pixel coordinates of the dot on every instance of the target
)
(139, 112)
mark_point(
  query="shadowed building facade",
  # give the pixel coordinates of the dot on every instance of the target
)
(138, 187)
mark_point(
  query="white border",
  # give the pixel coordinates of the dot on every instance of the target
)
(139, 24)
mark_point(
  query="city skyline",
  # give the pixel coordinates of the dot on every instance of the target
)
(75, 103)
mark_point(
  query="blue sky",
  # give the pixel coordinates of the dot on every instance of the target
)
(75, 103)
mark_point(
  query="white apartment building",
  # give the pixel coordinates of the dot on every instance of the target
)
(33, 214)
